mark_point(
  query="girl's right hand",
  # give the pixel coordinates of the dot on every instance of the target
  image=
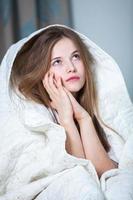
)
(59, 99)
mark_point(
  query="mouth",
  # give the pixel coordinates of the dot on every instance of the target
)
(73, 78)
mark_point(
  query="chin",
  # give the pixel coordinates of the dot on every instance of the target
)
(73, 89)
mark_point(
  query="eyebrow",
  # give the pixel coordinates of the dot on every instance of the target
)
(76, 51)
(55, 58)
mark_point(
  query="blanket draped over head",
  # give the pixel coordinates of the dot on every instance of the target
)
(33, 161)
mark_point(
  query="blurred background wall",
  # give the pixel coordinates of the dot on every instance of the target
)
(19, 18)
(108, 23)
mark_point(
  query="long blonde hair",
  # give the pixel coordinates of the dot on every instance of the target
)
(33, 61)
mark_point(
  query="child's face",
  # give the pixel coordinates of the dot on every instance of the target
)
(66, 63)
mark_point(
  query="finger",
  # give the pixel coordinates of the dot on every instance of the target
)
(55, 82)
(70, 95)
(59, 83)
(47, 86)
(62, 92)
(44, 81)
(52, 105)
(52, 83)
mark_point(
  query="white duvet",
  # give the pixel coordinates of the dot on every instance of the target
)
(33, 161)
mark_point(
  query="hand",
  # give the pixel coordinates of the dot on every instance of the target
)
(59, 99)
(79, 112)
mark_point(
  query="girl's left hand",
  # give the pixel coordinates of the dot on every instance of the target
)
(79, 112)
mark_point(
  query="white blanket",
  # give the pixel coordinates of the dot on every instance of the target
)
(33, 161)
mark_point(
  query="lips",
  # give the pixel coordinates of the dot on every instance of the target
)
(73, 78)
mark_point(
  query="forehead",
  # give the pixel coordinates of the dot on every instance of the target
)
(64, 45)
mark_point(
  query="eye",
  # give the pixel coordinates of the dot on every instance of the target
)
(57, 62)
(76, 56)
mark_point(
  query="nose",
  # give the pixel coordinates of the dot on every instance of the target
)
(70, 67)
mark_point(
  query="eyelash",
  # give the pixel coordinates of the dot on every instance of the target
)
(55, 62)
(76, 55)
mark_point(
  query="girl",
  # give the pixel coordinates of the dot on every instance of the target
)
(67, 87)
(53, 90)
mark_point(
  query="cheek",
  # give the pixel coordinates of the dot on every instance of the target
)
(82, 71)
(56, 73)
